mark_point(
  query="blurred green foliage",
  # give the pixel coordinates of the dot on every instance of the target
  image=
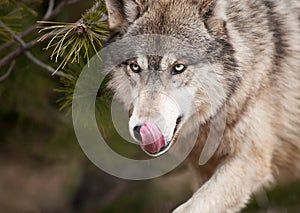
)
(12, 13)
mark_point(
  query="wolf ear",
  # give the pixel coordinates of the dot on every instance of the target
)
(121, 13)
(214, 15)
(205, 6)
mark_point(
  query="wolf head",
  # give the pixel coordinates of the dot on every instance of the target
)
(173, 93)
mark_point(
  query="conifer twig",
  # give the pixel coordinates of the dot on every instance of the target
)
(94, 36)
(77, 41)
(48, 16)
(4, 76)
(49, 10)
(10, 57)
(29, 55)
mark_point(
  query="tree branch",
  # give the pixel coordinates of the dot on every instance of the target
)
(10, 57)
(30, 56)
(3, 77)
(46, 67)
(27, 46)
(50, 9)
(48, 16)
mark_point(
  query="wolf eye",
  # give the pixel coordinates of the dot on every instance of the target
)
(178, 68)
(135, 68)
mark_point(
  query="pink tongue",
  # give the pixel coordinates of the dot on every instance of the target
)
(152, 138)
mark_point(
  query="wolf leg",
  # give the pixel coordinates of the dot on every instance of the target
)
(231, 186)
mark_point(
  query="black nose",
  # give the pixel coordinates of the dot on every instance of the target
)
(136, 132)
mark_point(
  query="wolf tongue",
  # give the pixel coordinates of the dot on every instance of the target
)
(152, 138)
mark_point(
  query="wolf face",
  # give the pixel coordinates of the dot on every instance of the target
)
(240, 58)
(190, 83)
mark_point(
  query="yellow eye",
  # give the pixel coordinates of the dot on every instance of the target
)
(178, 68)
(135, 68)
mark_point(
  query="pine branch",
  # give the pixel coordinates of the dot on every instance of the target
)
(49, 10)
(13, 11)
(48, 16)
(75, 42)
(29, 55)
(11, 67)
(12, 56)
(86, 36)
(70, 43)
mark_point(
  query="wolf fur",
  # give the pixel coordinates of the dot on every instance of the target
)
(255, 48)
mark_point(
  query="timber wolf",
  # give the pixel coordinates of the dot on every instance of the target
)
(253, 50)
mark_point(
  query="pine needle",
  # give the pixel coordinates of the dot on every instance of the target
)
(76, 42)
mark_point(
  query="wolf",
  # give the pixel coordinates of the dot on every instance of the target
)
(252, 48)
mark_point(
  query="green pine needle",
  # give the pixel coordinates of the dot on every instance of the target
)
(13, 12)
(67, 88)
(73, 44)
(76, 42)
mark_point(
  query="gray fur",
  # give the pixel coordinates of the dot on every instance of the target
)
(255, 47)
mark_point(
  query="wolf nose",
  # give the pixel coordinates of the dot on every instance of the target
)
(136, 132)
